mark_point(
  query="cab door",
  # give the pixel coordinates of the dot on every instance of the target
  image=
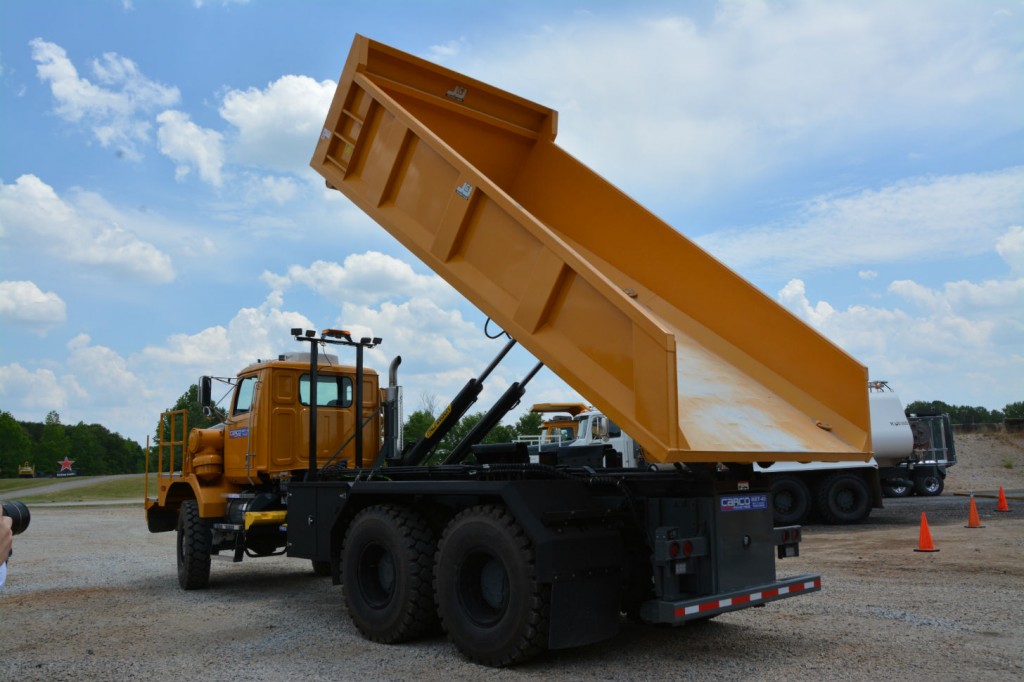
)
(240, 445)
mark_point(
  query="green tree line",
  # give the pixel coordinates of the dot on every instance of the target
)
(967, 414)
(94, 449)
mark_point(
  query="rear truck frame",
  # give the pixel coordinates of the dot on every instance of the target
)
(513, 557)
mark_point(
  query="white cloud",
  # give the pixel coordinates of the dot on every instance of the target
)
(112, 108)
(966, 298)
(189, 145)
(1010, 248)
(917, 219)
(37, 391)
(104, 371)
(444, 52)
(279, 125)
(369, 277)
(867, 275)
(794, 297)
(761, 87)
(88, 231)
(253, 333)
(419, 317)
(959, 343)
(25, 304)
(277, 189)
(424, 333)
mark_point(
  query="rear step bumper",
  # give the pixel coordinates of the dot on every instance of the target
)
(678, 612)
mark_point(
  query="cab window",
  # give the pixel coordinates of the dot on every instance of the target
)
(244, 395)
(331, 391)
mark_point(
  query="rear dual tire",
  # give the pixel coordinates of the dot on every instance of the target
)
(791, 501)
(843, 498)
(929, 485)
(896, 490)
(488, 597)
(480, 580)
(387, 570)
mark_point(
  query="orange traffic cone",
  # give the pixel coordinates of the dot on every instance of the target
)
(1002, 506)
(925, 544)
(972, 516)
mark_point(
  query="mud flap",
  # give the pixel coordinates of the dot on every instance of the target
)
(584, 611)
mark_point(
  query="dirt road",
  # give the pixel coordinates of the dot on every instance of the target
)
(92, 595)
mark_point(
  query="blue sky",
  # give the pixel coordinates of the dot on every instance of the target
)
(860, 162)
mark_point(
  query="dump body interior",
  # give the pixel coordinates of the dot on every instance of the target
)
(686, 356)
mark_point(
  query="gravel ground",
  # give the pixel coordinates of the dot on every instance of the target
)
(92, 595)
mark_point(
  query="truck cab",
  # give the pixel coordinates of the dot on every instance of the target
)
(245, 463)
(594, 428)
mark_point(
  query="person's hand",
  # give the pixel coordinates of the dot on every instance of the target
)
(6, 536)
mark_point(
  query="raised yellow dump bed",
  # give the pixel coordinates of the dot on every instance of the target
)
(687, 357)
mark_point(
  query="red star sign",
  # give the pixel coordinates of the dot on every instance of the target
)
(66, 464)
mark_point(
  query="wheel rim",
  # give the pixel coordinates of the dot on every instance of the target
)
(785, 501)
(483, 588)
(376, 575)
(846, 500)
(931, 484)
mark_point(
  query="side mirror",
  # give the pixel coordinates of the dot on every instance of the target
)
(205, 391)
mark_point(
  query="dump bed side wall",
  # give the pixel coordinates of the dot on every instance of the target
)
(687, 357)
(703, 303)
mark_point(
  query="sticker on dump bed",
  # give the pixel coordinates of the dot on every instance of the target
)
(731, 503)
(458, 93)
(464, 190)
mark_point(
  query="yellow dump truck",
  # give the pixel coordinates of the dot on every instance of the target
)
(559, 425)
(510, 556)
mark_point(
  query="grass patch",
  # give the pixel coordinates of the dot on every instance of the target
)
(13, 484)
(1007, 463)
(126, 488)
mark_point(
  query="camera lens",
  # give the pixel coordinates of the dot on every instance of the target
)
(18, 513)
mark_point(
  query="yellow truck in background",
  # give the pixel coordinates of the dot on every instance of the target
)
(513, 557)
(560, 425)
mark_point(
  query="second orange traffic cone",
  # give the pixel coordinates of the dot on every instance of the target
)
(1002, 506)
(925, 544)
(972, 516)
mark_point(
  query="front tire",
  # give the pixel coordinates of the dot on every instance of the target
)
(791, 501)
(843, 498)
(195, 545)
(387, 570)
(488, 597)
